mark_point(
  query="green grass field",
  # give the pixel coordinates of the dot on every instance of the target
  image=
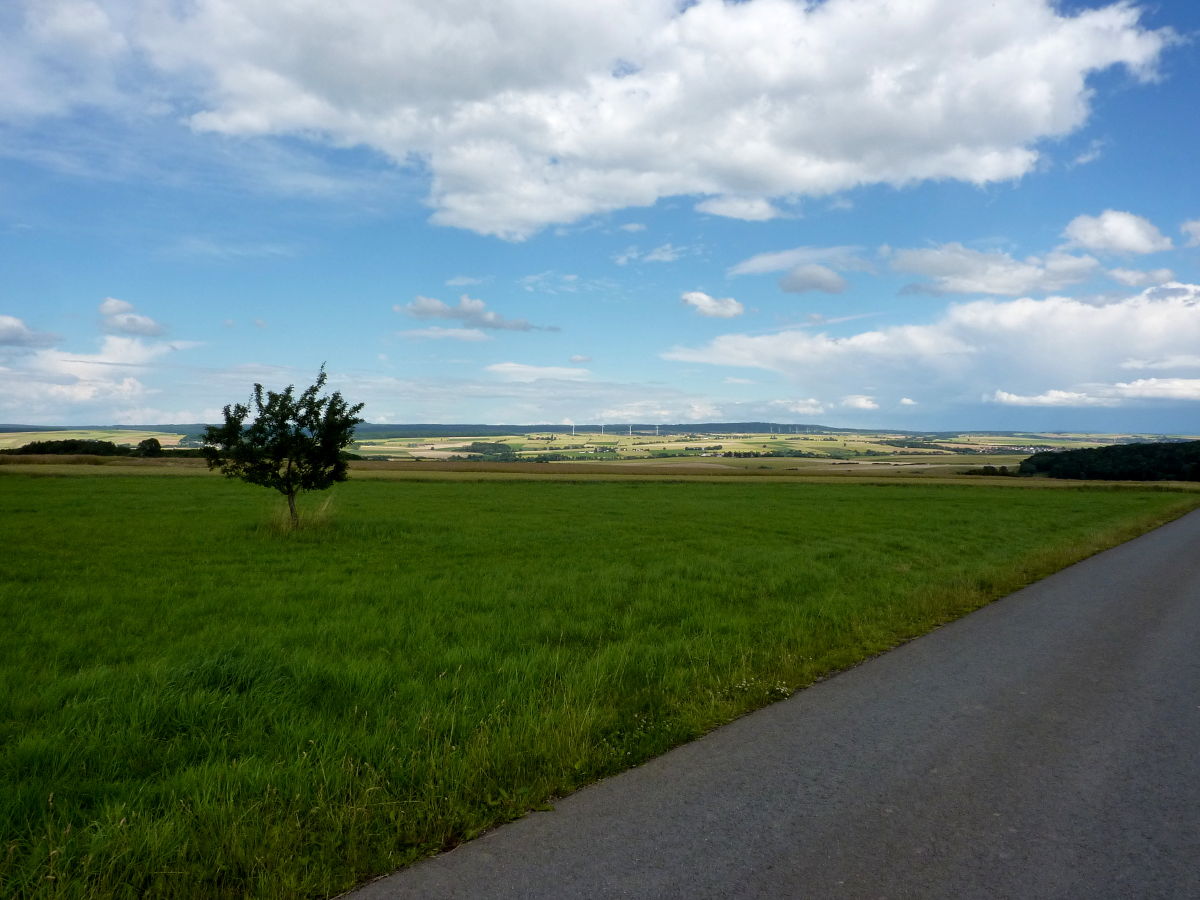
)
(196, 703)
(13, 439)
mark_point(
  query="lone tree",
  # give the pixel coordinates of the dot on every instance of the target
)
(294, 443)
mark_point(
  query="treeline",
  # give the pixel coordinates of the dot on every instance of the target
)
(150, 447)
(772, 454)
(1120, 462)
(83, 447)
(489, 451)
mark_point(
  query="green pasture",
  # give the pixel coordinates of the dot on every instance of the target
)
(195, 702)
(13, 439)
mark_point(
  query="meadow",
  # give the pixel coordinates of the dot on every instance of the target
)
(196, 702)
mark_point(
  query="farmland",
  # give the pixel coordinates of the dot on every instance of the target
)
(779, 449)
(10, 440)
(734, 448)
(197, 702)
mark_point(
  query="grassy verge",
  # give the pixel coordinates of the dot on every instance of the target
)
(196, 703)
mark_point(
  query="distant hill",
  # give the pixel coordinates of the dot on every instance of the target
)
(477, 430)
(432, 429)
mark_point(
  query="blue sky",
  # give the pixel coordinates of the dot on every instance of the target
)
(922, 215)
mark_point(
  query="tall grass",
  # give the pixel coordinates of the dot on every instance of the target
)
(195, 702)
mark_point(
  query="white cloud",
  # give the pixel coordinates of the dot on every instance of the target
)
(1160, 388)
(1052, 398)
(721, 308)
(846, 258)
(1028, 346)
(956, 269)
(748, 209)
(437, 332)
(859, 401)
(632, 226)
(56, 385)
(511, 371)
(908, 401)
(812, 277)
(1174, 389)
(732, 380)
(580, 358)
(534, 112)
(1140, 278)
(59, 55)
(15, 333)
(807, 407)
(119, 318)
(1191, 231)
(1114, 231)
(463, 281)
(470, 311)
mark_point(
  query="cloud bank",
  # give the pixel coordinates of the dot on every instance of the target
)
(1056, 351)
(568, 109)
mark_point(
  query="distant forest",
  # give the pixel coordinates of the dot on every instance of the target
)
(1120, 462)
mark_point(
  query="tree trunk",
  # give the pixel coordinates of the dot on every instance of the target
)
(292, 509)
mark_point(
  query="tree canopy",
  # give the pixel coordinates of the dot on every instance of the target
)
(291, 444)
(1173, 461)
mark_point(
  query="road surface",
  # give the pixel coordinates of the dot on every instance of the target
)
(1046, 746)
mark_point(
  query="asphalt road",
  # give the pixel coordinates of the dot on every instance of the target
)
(1045, 746)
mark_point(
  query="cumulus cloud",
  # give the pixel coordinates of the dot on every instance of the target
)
(859, 401)
(1028, 347)
(58, 384)
(1175, 389)
(955, 269)
(720, 308)
(908, 401)
(511, 371)
(579, 358)
(61, 55)
(15, 333)
(812, 277)
(1052, 398)
(473, 313)
(748, 209)
(534, 112)
(1191, 230)
(806, 407)
(1140, 278)
(119, 318)
(1114, 231)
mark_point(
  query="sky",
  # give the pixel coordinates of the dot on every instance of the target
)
(901, 214)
